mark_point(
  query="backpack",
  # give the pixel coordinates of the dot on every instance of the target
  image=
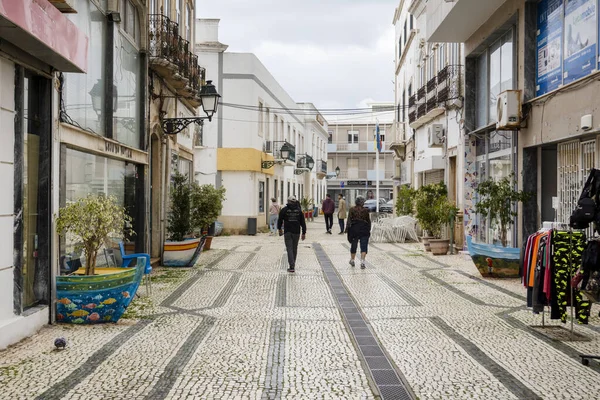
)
(586, 210)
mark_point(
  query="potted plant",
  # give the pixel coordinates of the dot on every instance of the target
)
(92, 296)
(445, 213)
(207, 204)
(184, 242)
(307, 208)
(427, 216)
(497, 203)
(405, 202)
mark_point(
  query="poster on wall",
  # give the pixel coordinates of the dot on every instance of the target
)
(579, 39)
(549, 46)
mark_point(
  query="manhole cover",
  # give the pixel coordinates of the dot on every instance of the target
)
(560, 333)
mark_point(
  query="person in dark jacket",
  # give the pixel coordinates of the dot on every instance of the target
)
(359, 230)
(328, 210)
(291, 218)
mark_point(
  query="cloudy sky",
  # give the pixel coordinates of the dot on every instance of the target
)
(334, 53)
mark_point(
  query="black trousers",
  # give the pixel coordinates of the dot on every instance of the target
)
(341, 221)
(328, 221)
(291, 245)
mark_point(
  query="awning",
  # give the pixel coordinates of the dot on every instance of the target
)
(429, 164)
(40, 29)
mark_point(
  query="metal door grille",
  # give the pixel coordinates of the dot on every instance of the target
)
(588, 161)
(433, 177)
(569, 181)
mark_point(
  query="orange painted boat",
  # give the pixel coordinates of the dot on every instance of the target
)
(184, 253)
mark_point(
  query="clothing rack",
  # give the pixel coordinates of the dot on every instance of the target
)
(585, 358)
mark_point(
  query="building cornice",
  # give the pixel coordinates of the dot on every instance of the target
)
(398, 12)
(417, 7)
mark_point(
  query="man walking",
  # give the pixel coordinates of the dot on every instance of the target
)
(328, 210)
(341, 212)
(292, 219)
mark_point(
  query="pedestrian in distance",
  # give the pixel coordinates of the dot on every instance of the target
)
(273, 215)
(291, 218)
(359, 231)
(328, 210)
(342, 211)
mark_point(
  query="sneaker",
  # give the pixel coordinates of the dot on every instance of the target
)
(362, 265)
(291, 269)
(352, 264)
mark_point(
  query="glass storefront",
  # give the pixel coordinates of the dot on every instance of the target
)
(93, 174)
(127, 80)
(495, 153)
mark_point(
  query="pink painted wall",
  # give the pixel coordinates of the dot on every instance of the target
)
(48, 25)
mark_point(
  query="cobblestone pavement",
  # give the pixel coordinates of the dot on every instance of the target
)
(238, 326)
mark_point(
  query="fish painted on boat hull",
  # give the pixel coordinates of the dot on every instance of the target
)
(108, 295)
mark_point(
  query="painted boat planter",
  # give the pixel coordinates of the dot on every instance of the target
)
(93, 299)
(495, 261)
(183, 254)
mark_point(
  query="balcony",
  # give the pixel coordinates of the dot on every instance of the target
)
(64, 6)
(398, 145)
(321, 169)
(442, 92)
(360, 147)
(366, 176)
(412, 108)
(278, 145)
(171, 57)
(458, 20)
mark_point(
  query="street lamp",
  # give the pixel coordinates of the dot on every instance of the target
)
(310, 163)
(337, 171)
(285, 151)
(209, 101)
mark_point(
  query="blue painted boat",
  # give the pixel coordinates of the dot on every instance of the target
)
(100, 298)
(495, 261)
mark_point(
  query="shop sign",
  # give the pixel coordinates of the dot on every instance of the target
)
(118, 149)
(359, 183)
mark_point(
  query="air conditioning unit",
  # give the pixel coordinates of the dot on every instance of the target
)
(435, 135)
(508, 109)
(268, 147)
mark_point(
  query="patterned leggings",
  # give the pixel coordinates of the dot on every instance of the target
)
(564, 268)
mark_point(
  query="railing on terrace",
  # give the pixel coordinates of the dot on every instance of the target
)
(172, 57)
(358, 147)
(421, 93)
(364, 175)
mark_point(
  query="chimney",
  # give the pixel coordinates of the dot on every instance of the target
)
(207, 30)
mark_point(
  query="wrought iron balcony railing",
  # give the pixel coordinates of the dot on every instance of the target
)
(171, 56)
(449, 83)
(421, 93)
(322, 165)
(277, 154)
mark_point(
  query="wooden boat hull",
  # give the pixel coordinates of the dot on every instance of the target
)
(494, 261)
(99, 298)
(182, 254)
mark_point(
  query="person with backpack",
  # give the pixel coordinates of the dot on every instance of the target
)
(273, 215)
(359, 230)
(291, 218)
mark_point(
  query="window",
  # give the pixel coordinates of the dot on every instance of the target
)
(352, 137)
(405, 32)
(381, 134)
(153, 9)
(268, 125)
(178, 12)
(495, 74)
(411, 22)
(431, 65)
(190, 22)
(130, 22)
(283, 129)
(77, 100)
(289, 136)
(261, 197)
(261, 121)
(455, 54)
(399, 48)
(422, 75)
(198, 135)
(276, 129)
(441, 56)
(330, 134)
(185, 168)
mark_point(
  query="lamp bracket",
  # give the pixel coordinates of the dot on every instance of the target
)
(179, 124)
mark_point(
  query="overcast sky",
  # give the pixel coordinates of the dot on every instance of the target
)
(333, 53)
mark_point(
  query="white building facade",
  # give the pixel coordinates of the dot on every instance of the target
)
(241, 148)
(429, 89)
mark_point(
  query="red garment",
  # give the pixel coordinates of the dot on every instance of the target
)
(328, 206)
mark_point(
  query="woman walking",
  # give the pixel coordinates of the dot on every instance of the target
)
(359, 230)
(273, 215)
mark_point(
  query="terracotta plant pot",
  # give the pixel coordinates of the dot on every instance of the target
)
(439, 247)
(426, 243)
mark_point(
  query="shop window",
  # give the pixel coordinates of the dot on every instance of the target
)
(91, 174)
(185, 168)
(130, 20)
(199, 135)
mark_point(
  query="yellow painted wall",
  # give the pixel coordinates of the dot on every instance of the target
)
(229, 159)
